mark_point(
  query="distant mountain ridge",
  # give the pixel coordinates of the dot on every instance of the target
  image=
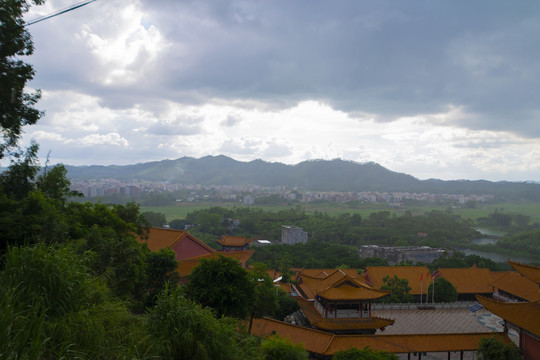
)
(312, 175)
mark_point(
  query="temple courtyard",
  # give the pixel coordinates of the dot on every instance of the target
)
(441, 321)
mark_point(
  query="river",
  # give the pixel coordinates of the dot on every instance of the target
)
(497, 257)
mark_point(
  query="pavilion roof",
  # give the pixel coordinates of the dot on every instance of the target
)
(320, 342)
(338, 286)
(324, 273)
(531, 272)
(473, 280)
(418, 276)
(524, 315)
(515, 284)
(317, 320)
(227, 240)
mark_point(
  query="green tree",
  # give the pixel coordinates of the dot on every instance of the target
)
(161, 269)
(19, 179)
(265, 303)
(223, 285)
(181, 329)
(121, 259)
(16, 106)
(493, 349)
(278, 348)
(286, 305)
(155, 219)
(444, 291)
(116, 254)
(399, 290)
(364, 354)
(54, 184)
(522, 220)
(178, 224)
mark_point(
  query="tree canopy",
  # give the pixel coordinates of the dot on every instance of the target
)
(493, 349)
(399, 290)
(278, 348)
(444, 291)
(16, 106)
(223, 285)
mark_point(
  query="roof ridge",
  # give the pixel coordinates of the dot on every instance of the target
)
(330, 343)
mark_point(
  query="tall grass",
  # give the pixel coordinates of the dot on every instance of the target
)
(180, 329)
(52, 308)
(22, 329)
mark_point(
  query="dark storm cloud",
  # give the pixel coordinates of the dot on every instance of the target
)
(388, 58)
(392, 58)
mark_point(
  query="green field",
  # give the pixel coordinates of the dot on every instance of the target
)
(180, 210)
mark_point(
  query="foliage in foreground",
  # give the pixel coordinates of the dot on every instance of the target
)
(51, 307)
(493, 349)
(182, 329)
(278, 348)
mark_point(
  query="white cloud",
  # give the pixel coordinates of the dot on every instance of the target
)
(111, 139)
(126, 49)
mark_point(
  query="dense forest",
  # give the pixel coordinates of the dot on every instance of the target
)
(444, 229)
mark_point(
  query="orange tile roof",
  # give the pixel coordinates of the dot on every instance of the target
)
(412, 343)
(524, 315)
(320, 342)
(323, 273)
(314, 341)
(285, 287)
(473, 280)
(529, 271)
(374, 276)
(347, 289)
(227, 240)
(517, 285)
(317, 320)
(161, 238)
(241, 256)
(338, 286)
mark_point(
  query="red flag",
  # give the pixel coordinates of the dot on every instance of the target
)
(421, 276)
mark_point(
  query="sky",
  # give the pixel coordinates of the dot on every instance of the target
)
(436, 89)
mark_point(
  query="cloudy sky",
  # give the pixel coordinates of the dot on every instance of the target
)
(435, 89)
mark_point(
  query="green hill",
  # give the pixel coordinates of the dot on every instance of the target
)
(313, 175)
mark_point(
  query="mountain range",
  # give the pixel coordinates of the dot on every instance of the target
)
(312, 175)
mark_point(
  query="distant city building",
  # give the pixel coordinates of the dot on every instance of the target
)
(397, 254)
(293, 235)
(249, 200)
